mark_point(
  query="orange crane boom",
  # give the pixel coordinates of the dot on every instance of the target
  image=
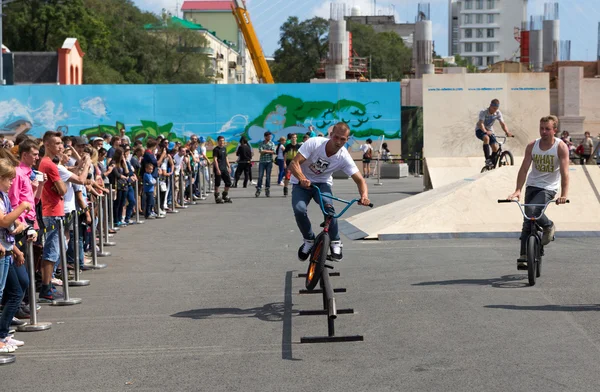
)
(256, 53)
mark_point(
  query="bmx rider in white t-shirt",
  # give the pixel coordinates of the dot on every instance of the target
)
(316, 161)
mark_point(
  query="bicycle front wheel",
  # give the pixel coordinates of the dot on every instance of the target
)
(531, 259)
(506, 159)
(318, 256)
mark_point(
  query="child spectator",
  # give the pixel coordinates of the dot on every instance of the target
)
(149, 183)
(14, 279)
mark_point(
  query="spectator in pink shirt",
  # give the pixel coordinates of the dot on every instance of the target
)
(25, 186)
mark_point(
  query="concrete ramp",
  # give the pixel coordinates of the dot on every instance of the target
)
(440, 172)
(469, 208)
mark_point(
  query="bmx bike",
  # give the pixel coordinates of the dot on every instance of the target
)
(320, 251)
(503, 158)
(534, 249)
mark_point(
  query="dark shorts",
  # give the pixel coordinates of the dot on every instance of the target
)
(480, 134)
(366, 160)
(225, 177)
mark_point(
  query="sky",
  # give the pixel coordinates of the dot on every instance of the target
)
(579, 18)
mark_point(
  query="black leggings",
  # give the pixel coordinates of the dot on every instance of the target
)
(243, 167)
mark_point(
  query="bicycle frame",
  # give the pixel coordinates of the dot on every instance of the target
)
(532, 219)
(349, 203)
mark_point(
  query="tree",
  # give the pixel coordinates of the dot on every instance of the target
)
(463, 62)
(390, 58)
(111, 33)
(302, 46)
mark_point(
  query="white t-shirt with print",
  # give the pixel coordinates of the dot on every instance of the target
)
(177, 159)
(318, 167)
(69, 197)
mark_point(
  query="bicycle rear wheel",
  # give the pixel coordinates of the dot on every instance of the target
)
(506, 159)
(531, 259)
(317, 260)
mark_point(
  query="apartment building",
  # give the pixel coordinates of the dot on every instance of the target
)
(485, 31)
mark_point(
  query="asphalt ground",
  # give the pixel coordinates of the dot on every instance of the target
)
(208, 300)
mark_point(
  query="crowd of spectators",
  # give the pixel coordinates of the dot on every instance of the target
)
(48, 180)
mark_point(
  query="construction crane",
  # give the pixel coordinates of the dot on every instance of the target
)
(256, 53)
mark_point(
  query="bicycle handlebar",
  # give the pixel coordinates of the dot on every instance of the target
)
(531, 205)
(349, 203)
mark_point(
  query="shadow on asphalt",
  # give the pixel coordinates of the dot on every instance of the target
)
(269, 312)
(551, 308)
(504, 282)
(274, 311)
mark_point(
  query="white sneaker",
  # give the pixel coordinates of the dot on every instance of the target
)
(253, 182)
(336, 250)
(14, 342)
(6, 348)
(304, 250)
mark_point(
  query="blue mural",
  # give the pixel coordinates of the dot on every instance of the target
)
(178, 111)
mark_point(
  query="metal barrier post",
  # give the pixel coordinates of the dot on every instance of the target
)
(110, 210)
(158, 201)
(6, 359)
(137, 204)
(418, 164)
(95, 264)
(203, 191)
(77, 255)
(171, 185)
(33, 325)
(101, 227)
(67, 300)
(181, 190)
(106, 219)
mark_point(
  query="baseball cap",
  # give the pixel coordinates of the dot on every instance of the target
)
(268, 133)
(96, 138)
(201, 139)
(171, 146)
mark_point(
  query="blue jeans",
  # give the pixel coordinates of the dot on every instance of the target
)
(118, 205)
(4, 265)
(262, 168)
(130, 202)
(281, 165)
(17, 281)
(149, 196)
(71, 246)
(301, 198)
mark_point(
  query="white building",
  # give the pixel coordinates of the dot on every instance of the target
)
(484, 31)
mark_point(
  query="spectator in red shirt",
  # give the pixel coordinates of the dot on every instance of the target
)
(52, 211)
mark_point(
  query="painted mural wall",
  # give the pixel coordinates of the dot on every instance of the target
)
(178, 111)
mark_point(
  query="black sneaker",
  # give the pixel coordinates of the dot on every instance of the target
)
(257, 193)
(285, 191)
(522, 262)
(16, 322)
(267, 192)
(304, 250)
